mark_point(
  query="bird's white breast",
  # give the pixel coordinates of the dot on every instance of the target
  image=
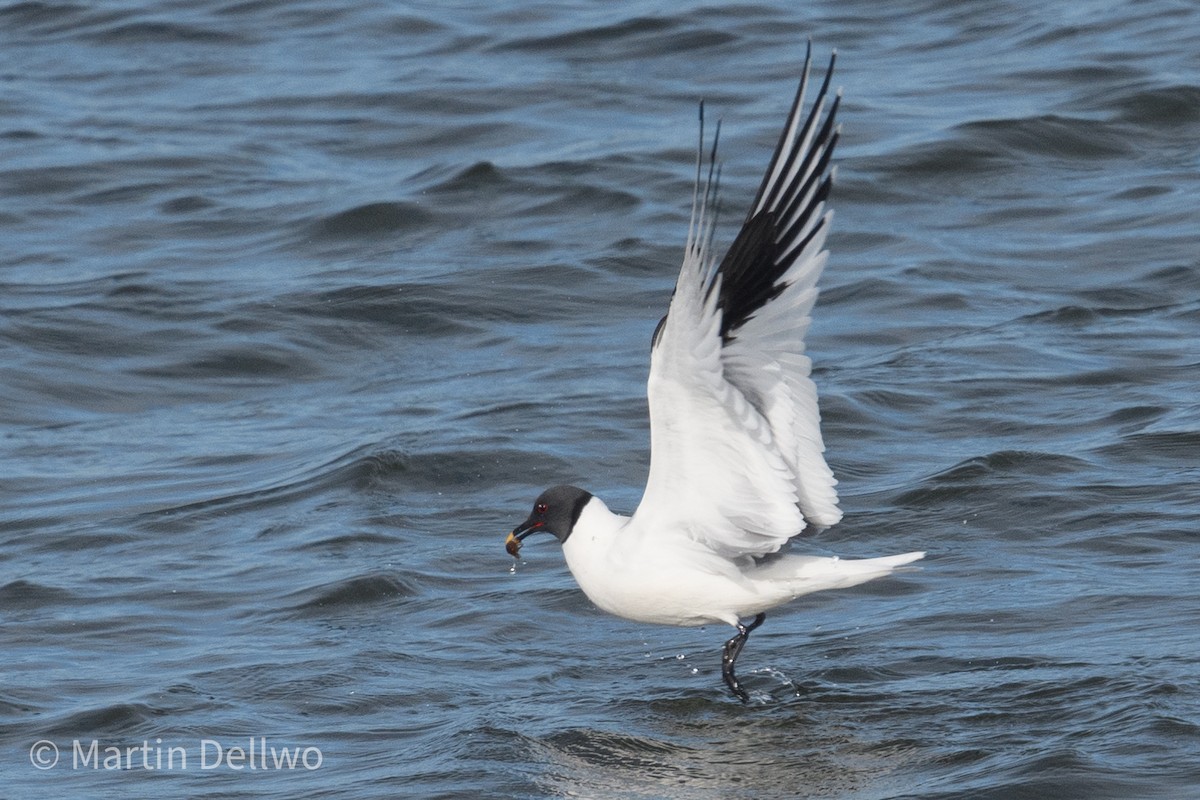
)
(648, 576)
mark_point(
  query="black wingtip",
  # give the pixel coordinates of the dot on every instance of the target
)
(785, 215)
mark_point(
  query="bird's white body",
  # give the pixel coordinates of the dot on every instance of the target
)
(673, 579)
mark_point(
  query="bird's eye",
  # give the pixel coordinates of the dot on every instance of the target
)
(540, 508)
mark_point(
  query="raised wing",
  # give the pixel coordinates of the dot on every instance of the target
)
(736, 452)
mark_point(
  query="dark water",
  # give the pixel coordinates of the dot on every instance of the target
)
(304, 302)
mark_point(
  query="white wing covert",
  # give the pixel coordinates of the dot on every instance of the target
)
(735, 428)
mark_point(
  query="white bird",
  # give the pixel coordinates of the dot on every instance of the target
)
(736, 466)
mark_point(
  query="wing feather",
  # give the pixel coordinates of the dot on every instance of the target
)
(737, 459)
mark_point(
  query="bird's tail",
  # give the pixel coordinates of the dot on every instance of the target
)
(806, 574)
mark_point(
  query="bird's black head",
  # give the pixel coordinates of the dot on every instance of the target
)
(555, 511)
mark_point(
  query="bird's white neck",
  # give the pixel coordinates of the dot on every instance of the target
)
(593, 548)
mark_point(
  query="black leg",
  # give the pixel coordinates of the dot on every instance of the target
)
(729, 655)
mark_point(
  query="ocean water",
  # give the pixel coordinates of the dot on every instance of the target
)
(301, 305)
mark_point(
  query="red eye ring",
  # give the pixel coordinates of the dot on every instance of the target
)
(540, 508)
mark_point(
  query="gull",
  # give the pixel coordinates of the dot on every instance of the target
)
(737, 465)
